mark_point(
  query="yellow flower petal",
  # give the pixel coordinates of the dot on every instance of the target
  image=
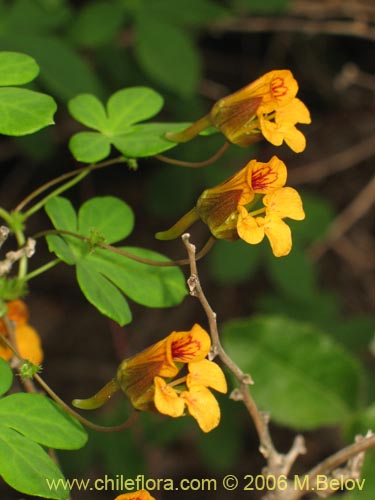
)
(294, 112)
(189, 346)
(166, 399)
(294, 138)
(282, 89)
(279, 235)
(136, 495)
(284, 202)
(248, 229)
(208, 374)
(202, 406)
(266, 177)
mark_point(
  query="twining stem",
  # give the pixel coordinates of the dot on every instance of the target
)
(193, 164)
(30, 387)
(64, 177)
(182, 262)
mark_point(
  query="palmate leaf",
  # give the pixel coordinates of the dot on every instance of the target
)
(104, 276)
(301, 375)
(118, 125)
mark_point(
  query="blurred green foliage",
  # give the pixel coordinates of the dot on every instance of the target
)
(311, 362)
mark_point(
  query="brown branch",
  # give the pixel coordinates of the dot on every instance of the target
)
(277, 463)
(354, 211)
(353, 455)
(256, 24)
(338, 162)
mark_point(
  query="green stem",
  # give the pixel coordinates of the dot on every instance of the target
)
(63, 177)
(56, 192)
(6, 216)
(42, 269)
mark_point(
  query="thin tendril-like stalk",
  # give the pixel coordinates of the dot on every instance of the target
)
(182, 262)
(63, 178)
(100, 428)
(192, 164)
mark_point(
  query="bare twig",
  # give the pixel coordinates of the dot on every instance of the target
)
(352, 455)
(356, 209)
(14, 256)
(278, 464)
(4, 233)
(321, 169)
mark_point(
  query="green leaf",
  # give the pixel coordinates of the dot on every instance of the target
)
(360, 423)
(232, 263)
(24, 111)
(62, 250)
(147, 139)
(61, 213)
(89, 147)
(102, 294)
(26, 467)
(186, 12)
(301, 375)
(166, 54)
(63, 217)
(29, 16)
(148, 285)
(6, 377)
(42, 421)
(110, 217)
(131, 105)
(87, 109)
(62, 70)
(16, 68)
(97, 23)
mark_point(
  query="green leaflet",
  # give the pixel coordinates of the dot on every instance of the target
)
(16, 68)
(26, 467)
(104, 276)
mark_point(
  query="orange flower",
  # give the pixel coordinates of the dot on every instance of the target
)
(267, 108)
(149, 379)
(135, 495)
(27, 338)
(233, 209)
